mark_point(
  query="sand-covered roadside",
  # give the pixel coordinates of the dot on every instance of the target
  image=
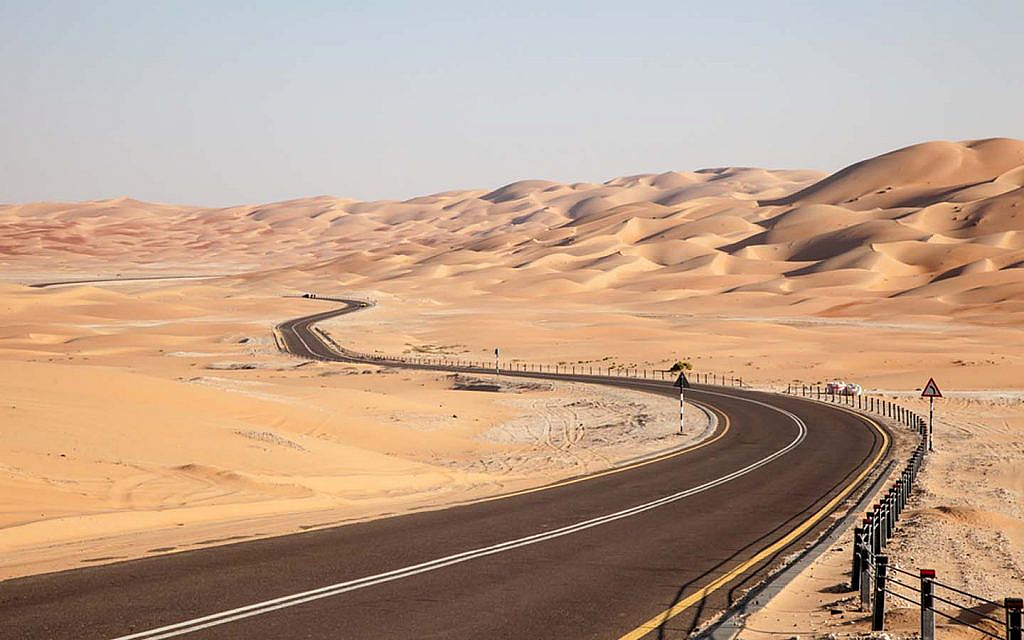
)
(162, 417)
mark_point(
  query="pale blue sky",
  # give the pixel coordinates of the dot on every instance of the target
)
(227, 102)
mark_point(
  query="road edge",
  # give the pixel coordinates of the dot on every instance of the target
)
(728, 624)
(732, 621)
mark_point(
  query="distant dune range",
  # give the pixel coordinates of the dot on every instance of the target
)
(159, 414)
(935, 229)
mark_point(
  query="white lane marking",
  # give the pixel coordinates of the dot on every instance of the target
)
(224, 617)
(299, 336)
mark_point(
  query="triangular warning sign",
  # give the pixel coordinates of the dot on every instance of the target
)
(931, 390)
(681, 382)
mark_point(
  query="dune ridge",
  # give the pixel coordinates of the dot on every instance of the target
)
(940, 219)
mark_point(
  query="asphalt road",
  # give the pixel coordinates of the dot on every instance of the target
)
(667, 542)
(125, 280)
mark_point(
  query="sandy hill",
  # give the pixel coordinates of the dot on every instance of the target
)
(938, 223)
(148, 416)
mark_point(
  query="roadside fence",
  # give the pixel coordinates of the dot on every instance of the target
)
(604, 371)
(878, 582)
(461, 365)
(465, 365)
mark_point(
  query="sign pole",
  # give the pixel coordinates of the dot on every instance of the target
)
(931, 391)
(682, 411)
(931, 417)
(682, 383)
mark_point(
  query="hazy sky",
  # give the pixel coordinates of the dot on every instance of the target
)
(229, 102)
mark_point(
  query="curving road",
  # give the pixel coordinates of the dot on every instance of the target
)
(125, 280)
(644, 551)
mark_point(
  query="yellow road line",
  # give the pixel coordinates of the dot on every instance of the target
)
(692, 599)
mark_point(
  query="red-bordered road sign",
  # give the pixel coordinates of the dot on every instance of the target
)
(931, 390)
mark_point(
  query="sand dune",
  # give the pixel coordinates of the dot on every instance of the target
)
(937, 211)
(908, 177)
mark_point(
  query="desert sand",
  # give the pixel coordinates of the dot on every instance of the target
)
(150, 416)
(136, 425)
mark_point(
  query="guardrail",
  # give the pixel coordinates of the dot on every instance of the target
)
(871, 574)
(485, 367)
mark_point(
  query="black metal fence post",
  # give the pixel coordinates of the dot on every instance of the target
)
(890, 515)
(1013, 617)
(880, 527)
(894, 502)
(927, 604)
(876, 530)
(866, 555)
(888, 521)
(855, 571)
(878, 608)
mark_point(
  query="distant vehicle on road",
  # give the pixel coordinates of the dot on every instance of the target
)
(309, 295)
(840, 388)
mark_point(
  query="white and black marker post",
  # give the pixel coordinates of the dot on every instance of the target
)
(497, 370)
(931, 391)
(682, 383)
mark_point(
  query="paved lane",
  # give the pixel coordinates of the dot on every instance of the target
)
(597, 581)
